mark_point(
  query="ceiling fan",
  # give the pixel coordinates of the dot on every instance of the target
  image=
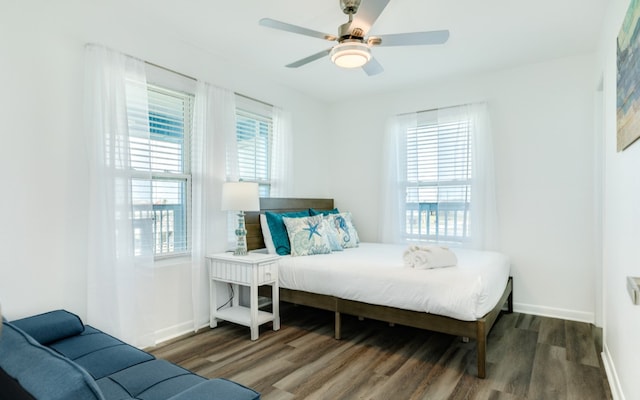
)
(354, 47)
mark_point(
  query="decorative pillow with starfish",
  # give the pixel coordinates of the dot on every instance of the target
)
(307, 235)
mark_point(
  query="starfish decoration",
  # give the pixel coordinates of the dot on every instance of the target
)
(313, 229)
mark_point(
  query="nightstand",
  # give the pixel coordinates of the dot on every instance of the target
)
(252, 270)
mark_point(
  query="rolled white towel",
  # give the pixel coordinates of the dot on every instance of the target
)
(415, 258)
(425, 257)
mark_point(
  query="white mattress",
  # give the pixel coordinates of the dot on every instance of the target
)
(374, 273)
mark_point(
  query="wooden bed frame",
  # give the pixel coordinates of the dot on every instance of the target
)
(478, 329)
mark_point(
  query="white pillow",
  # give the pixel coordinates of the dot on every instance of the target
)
(343, 225)
(266, 235)
(331, 234)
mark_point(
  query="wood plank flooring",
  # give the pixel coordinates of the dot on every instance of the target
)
(528, 357)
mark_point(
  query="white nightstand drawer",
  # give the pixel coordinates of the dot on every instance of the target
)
(267, 272)
(242, 273)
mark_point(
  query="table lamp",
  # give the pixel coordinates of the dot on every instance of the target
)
(240, 197)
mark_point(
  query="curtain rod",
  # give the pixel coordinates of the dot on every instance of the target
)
(438, 108)
(170, 70)
(194, 79)
(256, 100)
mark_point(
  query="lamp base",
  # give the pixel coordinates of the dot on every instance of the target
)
(240, 252)
(241, 236)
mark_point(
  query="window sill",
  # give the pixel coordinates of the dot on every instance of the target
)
(172, 261)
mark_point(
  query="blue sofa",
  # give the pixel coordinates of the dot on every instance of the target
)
(55, 356)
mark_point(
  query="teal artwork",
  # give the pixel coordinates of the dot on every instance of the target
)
(628, 79)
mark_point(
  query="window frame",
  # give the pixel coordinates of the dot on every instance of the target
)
(438, 214)
(183, 178)
(259, 112)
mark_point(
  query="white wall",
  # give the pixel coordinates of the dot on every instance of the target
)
(621, 227)
(44, 201)
(543, 137)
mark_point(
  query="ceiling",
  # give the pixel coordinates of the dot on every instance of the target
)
(485, 35)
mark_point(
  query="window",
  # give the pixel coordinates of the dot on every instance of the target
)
(254, 130)
(438, 185)
(166, 155)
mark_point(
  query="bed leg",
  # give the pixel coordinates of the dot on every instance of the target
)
(481, 344)
(338, 326)
(510, 298)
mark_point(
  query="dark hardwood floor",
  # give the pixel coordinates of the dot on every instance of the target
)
(528, 357)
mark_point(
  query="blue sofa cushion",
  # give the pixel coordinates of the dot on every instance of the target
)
(170, 387)
(89, 341)
(111, 390)
(99, 353)
(51, 326)
(217, 389)
(107, 361)
(162, 390)
(42, 372)
(141, 377)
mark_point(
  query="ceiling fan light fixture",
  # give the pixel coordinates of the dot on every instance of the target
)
(350, 54)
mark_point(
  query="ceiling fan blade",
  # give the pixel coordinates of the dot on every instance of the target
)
(368, 13)
(307, 60)
(283, 26)
(413, 38)
(373, 67)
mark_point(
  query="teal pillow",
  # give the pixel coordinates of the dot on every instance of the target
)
(313, 211)
(307, 235)
(279, 231)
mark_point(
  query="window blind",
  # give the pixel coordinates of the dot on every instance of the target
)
(439, 172)
(439, 162)
(164, 153)
(254, 135)
(165, 149)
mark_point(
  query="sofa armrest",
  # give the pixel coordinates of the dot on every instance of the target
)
(51, 326)
(11, 388)
(217, 389)
(40, 371)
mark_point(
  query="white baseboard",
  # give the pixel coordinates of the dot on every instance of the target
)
(612, 375)
(174, 331)
(570, 315)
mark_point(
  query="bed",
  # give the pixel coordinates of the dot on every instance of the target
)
(471, 322)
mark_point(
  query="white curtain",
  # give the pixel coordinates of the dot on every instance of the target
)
(484, 216)
(214, 140)
(120, 262)
(485, 233)
(394, 178)
(281, 161)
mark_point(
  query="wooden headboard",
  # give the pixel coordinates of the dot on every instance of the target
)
(277, 205)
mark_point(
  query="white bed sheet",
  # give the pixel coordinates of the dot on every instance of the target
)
(374, 273)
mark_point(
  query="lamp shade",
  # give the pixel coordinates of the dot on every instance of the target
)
(240, 196)
(350, 54)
